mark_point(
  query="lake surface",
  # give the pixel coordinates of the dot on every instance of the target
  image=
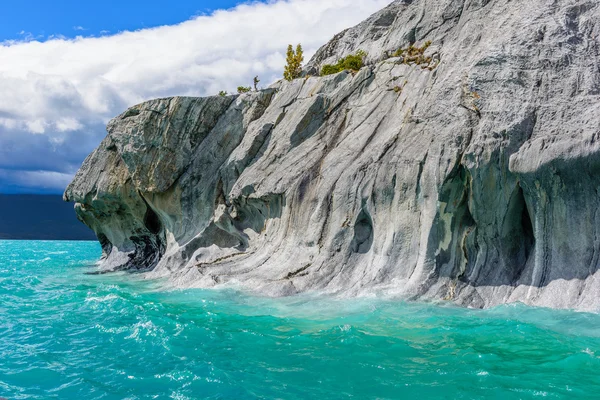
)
(68, 335)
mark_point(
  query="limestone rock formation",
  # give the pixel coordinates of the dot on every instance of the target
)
(472, 176)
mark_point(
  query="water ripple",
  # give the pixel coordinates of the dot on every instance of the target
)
(69, 335)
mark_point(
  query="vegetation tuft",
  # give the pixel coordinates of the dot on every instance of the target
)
(352, 62)
(243, 89)
(222, 93)
(414, 55)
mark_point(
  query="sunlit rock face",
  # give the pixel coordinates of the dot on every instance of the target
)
(470, 178)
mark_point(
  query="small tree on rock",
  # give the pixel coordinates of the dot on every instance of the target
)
(294, 61)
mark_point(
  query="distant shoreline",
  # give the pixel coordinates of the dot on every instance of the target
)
(40, 217)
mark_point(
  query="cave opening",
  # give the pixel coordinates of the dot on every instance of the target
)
(518, 238)
(526, 228)
(363, 233)
(151, 221)
(105, 244)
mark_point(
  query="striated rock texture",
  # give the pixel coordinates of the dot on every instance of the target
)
(475, 180)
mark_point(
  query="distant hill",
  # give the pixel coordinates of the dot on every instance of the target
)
(40, 217)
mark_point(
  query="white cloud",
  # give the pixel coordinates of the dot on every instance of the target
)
(76, 85)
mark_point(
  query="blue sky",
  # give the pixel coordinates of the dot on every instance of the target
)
(41, 19)
(69, 66)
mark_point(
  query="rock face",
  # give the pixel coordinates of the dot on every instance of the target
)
(475, 180)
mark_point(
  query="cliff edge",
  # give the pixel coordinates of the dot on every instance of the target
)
(470, 174)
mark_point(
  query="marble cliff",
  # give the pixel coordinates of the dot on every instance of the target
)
(472, 177)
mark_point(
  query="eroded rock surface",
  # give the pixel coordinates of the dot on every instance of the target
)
(475, 181)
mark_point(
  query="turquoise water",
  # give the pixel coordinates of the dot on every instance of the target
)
(68, 335)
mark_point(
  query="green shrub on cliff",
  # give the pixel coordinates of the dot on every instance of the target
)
(352, 62)
(243, 89)
(222, 93)
(329, 69)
